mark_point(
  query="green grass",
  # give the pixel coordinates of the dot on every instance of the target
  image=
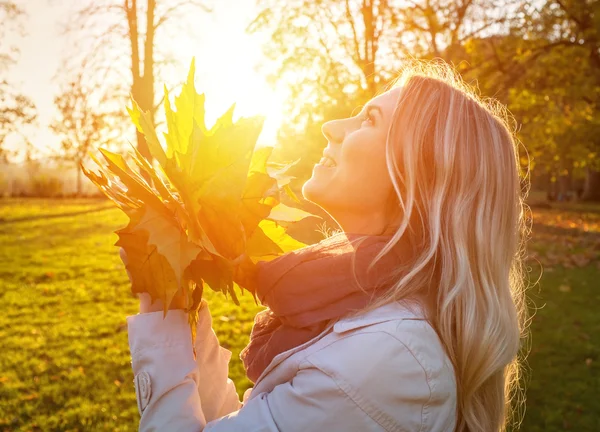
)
(64, 358)
(564, 376)
(64, 361)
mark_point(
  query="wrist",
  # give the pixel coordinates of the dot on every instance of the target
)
(147, 306)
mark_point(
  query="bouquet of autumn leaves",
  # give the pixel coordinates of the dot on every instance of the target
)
(208, 214)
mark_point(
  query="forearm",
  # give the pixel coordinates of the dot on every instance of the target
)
(217, 392)
(166, 376)
(163, 350)
(178, 409)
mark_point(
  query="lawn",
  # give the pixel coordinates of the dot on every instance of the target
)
(64, 361)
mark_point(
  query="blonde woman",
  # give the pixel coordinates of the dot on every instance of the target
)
(409, 319)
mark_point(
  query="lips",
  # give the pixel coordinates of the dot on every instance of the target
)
(327, 161)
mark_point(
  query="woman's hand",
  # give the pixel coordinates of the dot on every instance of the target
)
(146, 304)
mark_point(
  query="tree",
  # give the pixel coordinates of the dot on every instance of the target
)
(578, 23)
(334, 55)
(15, 108)
(540, 58)
(132, 31)
(439, 28)
(83, 123)
(544, 83)
(328, 55)
(552, 73)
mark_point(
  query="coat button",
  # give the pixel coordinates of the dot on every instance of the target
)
(143, 390)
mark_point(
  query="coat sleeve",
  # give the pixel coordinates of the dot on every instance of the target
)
(217, 391)
(166, 375)
(174, 392)
(169, 396)
(311, 401)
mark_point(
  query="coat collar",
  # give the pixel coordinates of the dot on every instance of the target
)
(389, 312)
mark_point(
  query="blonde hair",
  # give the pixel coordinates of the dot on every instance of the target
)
(454, 165)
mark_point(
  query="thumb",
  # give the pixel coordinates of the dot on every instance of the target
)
(123, 256)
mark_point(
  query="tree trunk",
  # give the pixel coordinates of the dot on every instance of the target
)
(142, 87)
(78, 191)
(564, 174)
(370, 47)
(591, 189)
(564, 187)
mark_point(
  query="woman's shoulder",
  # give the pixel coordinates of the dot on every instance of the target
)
(391, 333)
(391, 361)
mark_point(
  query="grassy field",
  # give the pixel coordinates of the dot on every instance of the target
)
(64, 358)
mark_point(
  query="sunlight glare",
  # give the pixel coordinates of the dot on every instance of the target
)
(225, 72)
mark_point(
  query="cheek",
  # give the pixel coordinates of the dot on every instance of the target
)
(360, 182)
(364, 172)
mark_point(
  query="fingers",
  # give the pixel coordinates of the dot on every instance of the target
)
(146, 304)
(123, 256)
(144, 298)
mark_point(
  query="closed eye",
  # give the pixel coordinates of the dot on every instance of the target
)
(368, 117)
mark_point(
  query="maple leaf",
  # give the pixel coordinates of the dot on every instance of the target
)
(150, 271)
(170, 240)
(208, 212)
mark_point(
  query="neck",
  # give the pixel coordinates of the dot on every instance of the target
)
(368, 224)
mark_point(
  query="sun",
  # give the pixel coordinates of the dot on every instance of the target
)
(226, 73)
(250, 98)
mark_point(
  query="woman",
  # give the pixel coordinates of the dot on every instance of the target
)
(410, 319)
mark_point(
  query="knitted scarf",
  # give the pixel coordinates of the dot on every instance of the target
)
(307, 288)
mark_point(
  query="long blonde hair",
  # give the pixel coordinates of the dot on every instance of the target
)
(453, 161)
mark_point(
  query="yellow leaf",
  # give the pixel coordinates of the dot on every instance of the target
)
(281, 212)
(269, 241)
(150, 272)
(207, 212)
(144, 124)
(170, 240)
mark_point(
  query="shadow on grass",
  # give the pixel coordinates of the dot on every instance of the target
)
(54, 215)
(540, 227)
(577, 206)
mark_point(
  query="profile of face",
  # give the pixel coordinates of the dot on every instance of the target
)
(351, 183)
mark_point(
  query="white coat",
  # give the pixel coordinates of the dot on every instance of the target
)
(384, 370)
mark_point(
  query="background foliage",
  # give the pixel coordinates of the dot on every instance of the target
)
(542, 59)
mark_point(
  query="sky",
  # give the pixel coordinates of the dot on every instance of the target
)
(231, 77)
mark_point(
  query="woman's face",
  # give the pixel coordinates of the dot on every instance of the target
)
(355, 191)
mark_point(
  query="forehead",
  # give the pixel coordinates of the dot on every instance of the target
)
(387, 101)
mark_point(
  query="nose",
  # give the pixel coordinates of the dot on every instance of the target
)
(333, 131)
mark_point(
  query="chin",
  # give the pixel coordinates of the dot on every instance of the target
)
(318, 189)
(313, 191)
(308, 189)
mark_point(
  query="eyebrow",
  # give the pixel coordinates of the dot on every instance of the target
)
(368, 108)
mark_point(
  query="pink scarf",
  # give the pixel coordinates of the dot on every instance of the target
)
(307, 288)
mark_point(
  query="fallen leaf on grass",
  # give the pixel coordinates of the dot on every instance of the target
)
(580, 260)
(564, 288)
(31, 396)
